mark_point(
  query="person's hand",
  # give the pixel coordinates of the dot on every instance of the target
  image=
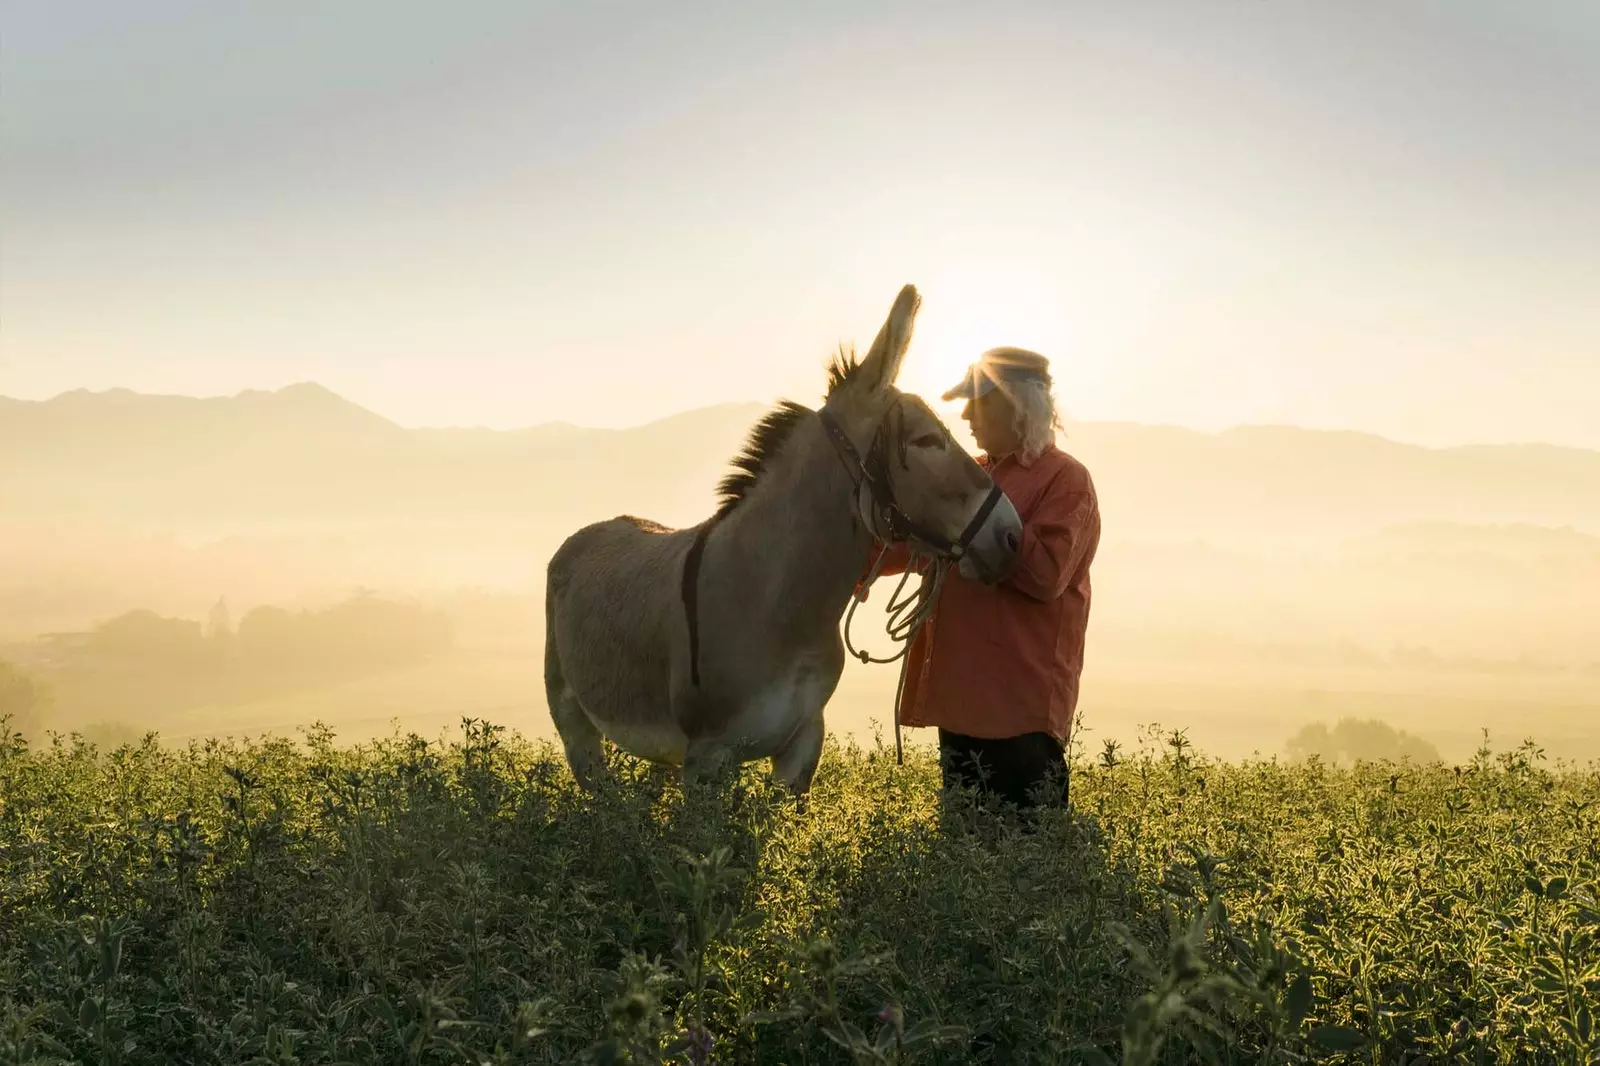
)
(967, 568)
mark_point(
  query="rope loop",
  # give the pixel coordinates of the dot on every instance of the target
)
(907, 615)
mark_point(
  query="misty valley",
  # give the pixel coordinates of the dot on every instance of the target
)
(256, 563)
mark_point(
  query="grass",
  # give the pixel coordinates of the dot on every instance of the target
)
(413, 902)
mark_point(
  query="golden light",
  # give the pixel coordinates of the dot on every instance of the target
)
(966, 311)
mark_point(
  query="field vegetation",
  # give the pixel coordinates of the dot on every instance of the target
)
(408, 901)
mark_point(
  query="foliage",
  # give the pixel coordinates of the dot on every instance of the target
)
(416, 902)
(21, 699)
(361, 630)
(143, 634)
(1360, 740)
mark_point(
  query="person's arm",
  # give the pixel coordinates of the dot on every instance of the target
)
(1054, 541)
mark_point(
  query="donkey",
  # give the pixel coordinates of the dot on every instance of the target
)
(722, 641)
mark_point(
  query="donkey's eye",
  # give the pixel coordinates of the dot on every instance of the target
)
(928, 440)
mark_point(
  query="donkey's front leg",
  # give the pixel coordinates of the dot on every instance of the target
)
(796, 764)
(705, 763)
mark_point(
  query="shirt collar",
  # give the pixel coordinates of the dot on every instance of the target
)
(1012, 457)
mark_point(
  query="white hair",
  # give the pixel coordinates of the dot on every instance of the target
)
(1035, 417)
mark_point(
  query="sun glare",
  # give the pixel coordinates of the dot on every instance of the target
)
(965, 314)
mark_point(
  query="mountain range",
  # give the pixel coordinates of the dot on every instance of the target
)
(303, 455)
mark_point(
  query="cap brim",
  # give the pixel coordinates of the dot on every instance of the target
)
(971, 389)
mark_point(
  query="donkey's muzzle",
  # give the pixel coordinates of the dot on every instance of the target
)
(994, 548)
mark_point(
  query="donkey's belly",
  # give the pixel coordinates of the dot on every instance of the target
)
(768, 719)
(633, 711)
(661, 742)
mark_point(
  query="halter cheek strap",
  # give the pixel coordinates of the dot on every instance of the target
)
(871, 475)
(875, 525)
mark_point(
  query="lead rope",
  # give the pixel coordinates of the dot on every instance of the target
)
(906, 619)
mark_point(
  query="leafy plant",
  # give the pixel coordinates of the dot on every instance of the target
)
(421, 902)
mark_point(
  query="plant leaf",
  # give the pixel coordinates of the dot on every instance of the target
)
(1337, 1038)
(1299, 1000)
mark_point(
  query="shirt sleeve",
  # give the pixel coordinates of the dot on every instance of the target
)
(1054, 541)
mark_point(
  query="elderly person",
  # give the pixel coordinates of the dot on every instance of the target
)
(996, 669)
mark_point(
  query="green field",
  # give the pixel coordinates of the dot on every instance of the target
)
(409, 901)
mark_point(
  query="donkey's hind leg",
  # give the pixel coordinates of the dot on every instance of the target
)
(586, 756)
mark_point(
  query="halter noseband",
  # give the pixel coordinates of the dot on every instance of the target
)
(874, 473)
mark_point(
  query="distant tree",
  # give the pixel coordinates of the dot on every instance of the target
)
(146, 635)
(269, 635)
(363, 631)
(1313, 739)
(1359, 740)
(368, 629)
(22, 700)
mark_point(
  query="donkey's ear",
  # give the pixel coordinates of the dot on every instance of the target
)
(881, 367)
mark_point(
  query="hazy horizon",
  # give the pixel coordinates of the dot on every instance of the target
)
(949, 412)
(1251, 583)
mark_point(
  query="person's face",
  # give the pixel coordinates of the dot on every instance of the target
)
(992, 420)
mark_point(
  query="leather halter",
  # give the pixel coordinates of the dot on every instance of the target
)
(873, 472)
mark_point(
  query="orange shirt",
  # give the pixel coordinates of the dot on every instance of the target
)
(1006, 660)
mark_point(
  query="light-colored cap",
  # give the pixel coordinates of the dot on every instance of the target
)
(1000, 365)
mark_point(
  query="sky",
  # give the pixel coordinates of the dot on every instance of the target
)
(1371, 216)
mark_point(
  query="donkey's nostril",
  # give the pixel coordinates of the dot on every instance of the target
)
(1012, 542)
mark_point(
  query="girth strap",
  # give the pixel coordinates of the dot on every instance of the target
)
(691, 597)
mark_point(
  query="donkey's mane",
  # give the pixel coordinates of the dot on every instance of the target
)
(842, 369)
(765, 441)
(768, 436)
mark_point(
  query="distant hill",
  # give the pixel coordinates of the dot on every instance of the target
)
(84, 423)
(1285, 483)
(303, 454)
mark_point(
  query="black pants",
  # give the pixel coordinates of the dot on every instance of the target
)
(1029, 771)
